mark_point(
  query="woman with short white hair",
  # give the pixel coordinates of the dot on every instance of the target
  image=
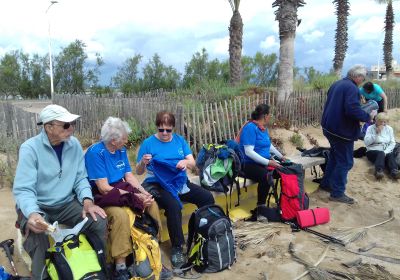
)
(380, 143)
(109, 172)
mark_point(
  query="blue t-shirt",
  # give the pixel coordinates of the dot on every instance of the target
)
(100, 163)
(252, 135)
(175, 150)
(374, 95)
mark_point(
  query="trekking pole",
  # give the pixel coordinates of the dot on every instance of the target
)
(332, 239)
(7, 245)
(327, 237)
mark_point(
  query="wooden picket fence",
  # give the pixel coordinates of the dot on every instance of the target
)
(199, 121)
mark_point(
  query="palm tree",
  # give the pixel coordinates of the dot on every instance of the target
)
(286, 15)
(342, 12)
(235, 43)
(388, 42)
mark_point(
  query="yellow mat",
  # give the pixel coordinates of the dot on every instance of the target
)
(247, 203)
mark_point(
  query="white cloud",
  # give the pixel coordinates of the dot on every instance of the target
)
(269, 43)
(218, 46)
(313, 36)
(368, 28)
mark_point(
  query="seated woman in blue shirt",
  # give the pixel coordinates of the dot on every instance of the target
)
(166, 156)
(258, 150)
(107, 166)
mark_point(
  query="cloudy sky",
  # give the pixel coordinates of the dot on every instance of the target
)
(176, 29)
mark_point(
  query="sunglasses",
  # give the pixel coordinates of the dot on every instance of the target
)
(164, 130)
(65, 125)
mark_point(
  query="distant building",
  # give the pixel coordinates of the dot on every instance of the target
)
(379, 71)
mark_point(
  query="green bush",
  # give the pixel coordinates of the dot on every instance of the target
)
(296, 140)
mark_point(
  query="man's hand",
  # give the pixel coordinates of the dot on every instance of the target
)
(373, 114)
(36, 223)
(92, 209)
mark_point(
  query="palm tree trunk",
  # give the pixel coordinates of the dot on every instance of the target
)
(342, 12)
(286, 15)
(235, 48)
(388, 43)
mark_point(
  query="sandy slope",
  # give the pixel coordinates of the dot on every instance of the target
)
(374, 199)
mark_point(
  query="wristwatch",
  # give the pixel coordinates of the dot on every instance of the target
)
(87, 198)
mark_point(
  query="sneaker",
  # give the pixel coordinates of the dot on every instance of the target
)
(325, 188)
(379, 174)
(395, 174)
(343, 199)
(177, 257)
(122, 274)
(166, 274)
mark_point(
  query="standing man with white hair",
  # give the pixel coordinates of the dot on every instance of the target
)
(51, 185)
(341, 126)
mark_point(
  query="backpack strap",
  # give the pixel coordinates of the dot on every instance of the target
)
(190, 232)
(98, 247)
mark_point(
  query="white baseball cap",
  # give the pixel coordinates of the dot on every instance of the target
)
(56, 112)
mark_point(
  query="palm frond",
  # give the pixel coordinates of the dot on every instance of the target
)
(255, 234)
(368, 271)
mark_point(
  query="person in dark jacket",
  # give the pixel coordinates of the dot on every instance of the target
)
(341, 126)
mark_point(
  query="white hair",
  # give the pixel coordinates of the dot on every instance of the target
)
(114, 129)
(357, 71)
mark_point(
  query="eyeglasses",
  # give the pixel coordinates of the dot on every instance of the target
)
(65, 125)
(164, 130)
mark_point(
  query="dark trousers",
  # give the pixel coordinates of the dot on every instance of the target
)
(70, 214)
(258, 173)
(173, 212)
(339, 164)
(380, 160)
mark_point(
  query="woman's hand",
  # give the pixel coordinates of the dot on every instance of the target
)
(122, 192)
(147, 200)
(146, 159)
(379, 128)
(182, 164)
(273, 163)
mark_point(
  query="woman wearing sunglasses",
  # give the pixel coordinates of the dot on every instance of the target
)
(165, 156)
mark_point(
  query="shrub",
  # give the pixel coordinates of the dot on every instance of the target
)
(296, 140)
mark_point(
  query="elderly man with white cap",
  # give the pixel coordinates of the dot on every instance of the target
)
(51, 185)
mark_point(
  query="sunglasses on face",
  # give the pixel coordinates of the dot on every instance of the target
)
(65, 125)
(164, 130)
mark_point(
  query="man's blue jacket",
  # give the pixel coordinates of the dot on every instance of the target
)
(342, 111)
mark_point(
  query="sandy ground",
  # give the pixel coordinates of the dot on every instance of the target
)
(272, 259)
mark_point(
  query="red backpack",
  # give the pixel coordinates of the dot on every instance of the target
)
(293, 198)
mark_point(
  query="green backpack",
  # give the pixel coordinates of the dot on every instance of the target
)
(77, 257)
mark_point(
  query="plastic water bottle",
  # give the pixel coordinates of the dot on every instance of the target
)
(3, 274)
(203, 222)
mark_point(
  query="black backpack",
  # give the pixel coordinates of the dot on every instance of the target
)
(211, 234)
(208, 156)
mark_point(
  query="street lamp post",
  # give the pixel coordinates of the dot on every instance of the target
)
(50, 60)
